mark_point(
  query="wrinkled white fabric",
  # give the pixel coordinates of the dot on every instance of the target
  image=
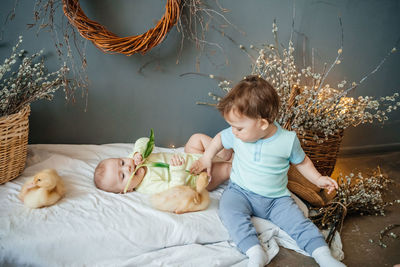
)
(95, 228)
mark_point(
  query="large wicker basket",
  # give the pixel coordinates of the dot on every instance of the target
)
(14, 130)
(324, 158)
(322, 155)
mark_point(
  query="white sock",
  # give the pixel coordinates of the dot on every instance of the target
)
(324, 258)
(257, 256)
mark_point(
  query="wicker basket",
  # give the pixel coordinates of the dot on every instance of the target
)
(306, 190)
(322, 155)
(324, 158)
(14, 131)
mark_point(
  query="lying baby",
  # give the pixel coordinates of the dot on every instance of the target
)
(164, 183)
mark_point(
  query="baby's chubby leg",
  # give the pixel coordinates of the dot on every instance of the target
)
(198, 143)
(220, 172)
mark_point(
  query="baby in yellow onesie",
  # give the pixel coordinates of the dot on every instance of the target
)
(113, 174)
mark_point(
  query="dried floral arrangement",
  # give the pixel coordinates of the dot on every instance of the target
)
(307, 102)
(357, 194)
(28, 82)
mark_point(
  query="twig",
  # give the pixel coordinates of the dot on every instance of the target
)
(336, 61)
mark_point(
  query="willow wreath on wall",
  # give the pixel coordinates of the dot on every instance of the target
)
(109, 42)
(193, 18)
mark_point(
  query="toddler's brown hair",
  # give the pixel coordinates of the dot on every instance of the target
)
(252, 97)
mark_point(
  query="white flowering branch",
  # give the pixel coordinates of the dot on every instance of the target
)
(362, 194)
(28, 82)
(307, 103)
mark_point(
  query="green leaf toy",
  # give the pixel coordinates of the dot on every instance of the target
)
(146, 154)
(150, 145)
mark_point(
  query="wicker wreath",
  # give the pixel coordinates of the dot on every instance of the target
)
(111, 43)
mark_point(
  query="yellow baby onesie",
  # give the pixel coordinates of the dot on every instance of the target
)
(158, 179)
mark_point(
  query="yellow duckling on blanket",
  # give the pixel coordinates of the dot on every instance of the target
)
(182, 198)
(44, 189)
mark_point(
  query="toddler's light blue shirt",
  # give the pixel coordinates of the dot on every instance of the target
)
(261, 167)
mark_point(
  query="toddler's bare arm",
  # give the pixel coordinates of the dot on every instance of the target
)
(308, 170)
(205, 162)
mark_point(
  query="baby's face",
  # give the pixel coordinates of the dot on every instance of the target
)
(117, 174)
(245, 128)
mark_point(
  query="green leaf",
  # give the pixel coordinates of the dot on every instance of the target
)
(147, 152)
(150, 145)
(157, 164)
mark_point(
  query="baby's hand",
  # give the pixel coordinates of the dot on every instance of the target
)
(199, 165)
(327, 183)
(137, 158)
(177, 160)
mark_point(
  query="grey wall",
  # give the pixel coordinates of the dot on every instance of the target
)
(124, 104)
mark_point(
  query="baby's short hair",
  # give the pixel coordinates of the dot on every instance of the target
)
(98, 175)
(253, 97)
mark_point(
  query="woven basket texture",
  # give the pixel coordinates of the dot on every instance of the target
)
(14, 130)
(322, 155)
(324, 158)
(306, 190)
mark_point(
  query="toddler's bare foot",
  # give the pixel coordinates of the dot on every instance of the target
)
(225, 154)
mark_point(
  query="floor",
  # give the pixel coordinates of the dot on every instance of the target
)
(358, 230)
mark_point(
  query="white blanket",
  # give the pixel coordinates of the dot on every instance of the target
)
(89, 227)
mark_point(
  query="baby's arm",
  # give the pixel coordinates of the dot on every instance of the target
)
(205, 162)
(139, 148)
(177, 170)
(307, 169)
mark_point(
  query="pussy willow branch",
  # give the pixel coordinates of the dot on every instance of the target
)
(393, 50)
(44, 17)
(337, 57)
(354, 85)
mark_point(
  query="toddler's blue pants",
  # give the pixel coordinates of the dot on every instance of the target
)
(237, 205)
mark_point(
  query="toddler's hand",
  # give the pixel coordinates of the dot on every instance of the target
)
(177, 160)
(201, 164)
(137, 158)
(327, 183)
